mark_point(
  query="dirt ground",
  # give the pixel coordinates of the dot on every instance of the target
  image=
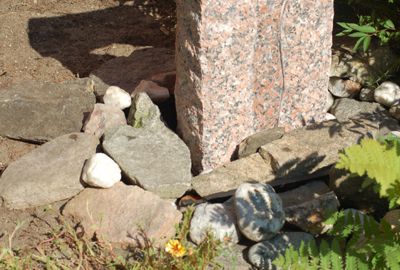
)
(58, 40)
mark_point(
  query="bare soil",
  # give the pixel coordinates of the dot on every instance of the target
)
(59, 40)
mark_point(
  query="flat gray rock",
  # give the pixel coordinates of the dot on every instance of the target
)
(252, 143)
(49, 173)
(155, 159)
(118, 214)
(346, 108)
(39, 112)
(314, 148)
(224, 180)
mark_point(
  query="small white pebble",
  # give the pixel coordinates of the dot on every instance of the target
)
(117, 97)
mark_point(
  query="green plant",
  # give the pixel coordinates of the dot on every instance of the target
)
(376, 19)
(358, 241)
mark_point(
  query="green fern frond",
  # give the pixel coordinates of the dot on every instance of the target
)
(378, 161)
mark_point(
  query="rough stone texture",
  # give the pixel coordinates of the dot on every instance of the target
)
(251, 144)
(304, 193)
(329, 102)
(262, 254)
(310, 215)
(127, 72)
(39, 112)
(367, 94)
(155, 159)
(364, 68)
(217, 219)
(117, 214)
(395, 110)
(228, 177)
(103, 117)
(158, 94)
(259, 211)
(343, 88)
(230, 80)
(166, 79)
(143, 113)
(346, 108)
(314, 148)
(49, 173)
(12, 150)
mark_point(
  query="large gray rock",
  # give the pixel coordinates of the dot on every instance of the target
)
(346, 108)
(259, 211)
(39, 112)
(262, 254)
(120, 213)
(252, 143)
(217, 219)
(155, 159)
(127, 72)
(49, 173)
(315, 148)
(224, 180)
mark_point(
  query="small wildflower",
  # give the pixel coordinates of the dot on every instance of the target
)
(175, 248)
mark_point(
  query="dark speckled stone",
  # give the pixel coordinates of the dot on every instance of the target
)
(243, 66)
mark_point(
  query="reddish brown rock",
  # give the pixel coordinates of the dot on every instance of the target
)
(243, 66)
(120, 213)
(166, 79)
(156, 93)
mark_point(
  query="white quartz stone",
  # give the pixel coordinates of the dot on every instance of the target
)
(101, 171)
(117, 97)
(387, 93)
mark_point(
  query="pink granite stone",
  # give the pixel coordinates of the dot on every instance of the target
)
(243, 66)
(157, 94)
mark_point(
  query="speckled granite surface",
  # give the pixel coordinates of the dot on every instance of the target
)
(230, 81)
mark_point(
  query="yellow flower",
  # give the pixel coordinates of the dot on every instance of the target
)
(175, 248)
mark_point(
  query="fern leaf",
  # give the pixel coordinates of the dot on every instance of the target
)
(351, 262)
(375, 160)
(325, 255)
(336, 255)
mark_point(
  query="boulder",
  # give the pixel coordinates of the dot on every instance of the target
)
(259, 211)
(155, 159)
(117, 97)
(262, 254)
(315, 148)
(225, 91)
(346, 108)
(343, 88)
(252, 143)
(127, 72)
(157, 94)
(310, 215)
(101, 171)
(216, 219)
(124, 214)
(387, 93)
(225, 179)
(39, 112)
(103, 117)
(50, 173)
